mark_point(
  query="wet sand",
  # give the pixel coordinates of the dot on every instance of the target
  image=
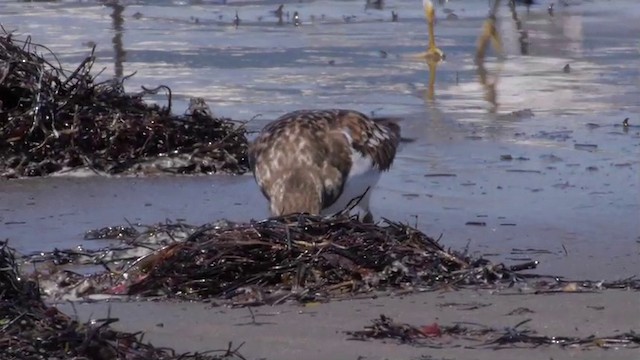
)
(316, 332)
(549, 208)
(574, 208)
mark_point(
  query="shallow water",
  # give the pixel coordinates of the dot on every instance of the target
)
(580, 203)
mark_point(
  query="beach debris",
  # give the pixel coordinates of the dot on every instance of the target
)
(509, 157)
(520, 311)
(480, 336)
(522, 113)
(296, 258)
(349, 18)
(112, 232)
(440, 175)
(54, 120)
(374, 4)
(586, 147)
(528, 171)
(558, 135)
(300, 258)
(31, 329)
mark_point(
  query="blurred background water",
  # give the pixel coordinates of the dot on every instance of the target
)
(345, 53)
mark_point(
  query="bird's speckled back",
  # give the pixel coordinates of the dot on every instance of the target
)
(301, 160)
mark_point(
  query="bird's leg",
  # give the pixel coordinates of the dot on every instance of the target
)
(432, 52)
(489, 33)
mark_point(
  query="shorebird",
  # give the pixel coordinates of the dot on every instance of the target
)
(319, 161)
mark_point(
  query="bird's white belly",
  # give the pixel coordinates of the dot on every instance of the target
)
(361, 176)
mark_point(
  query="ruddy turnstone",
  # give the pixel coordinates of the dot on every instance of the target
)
(318, 161)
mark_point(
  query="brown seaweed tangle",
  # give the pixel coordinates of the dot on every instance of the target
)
(53, 120)
(303, 258)
(385, 327)
(31, 329)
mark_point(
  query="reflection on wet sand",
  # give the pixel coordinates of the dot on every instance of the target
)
(118, 31)
(489, 34)
(433, 55)
(330, 59)
(560, 34)
(433, 67)
(523, 38)
(541, 45)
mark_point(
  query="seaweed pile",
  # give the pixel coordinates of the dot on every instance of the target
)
(53, 120)
(291, 258)
(29, 329)
(385, 328)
